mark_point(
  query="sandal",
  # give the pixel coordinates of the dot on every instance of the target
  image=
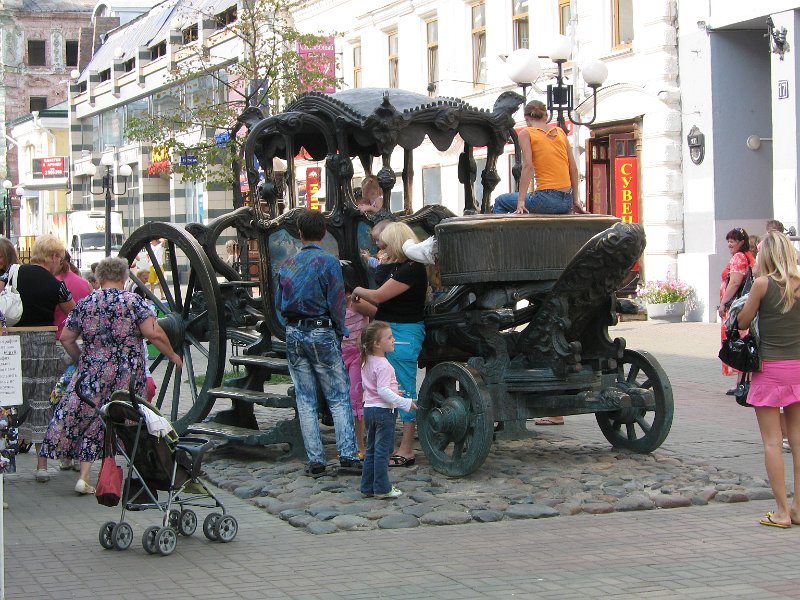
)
(401, 461)
(549, 421)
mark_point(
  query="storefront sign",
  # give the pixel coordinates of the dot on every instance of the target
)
(52, 166)
(313, 175)
(626, 189)
(322, 59)
(188, 160)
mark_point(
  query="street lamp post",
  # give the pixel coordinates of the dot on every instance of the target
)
(125, 171)
(7, 209)
(523, 68)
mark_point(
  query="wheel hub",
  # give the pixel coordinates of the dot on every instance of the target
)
(175, 328)
(450, 418)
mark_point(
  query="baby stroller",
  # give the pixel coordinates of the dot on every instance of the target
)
(168, 464)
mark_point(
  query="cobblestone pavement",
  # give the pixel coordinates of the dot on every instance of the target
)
(711, 551)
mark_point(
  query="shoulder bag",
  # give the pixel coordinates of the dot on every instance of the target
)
(745, 286)
(10, 300)
(742, 389)
(740, 353)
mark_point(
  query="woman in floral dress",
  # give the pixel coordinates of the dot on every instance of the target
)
(733, 276)
(113, 324)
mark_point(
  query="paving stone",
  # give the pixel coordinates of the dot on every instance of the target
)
(291, 512)
(671, 501)
(248, 491)
(760, 494)
(321, 528)
(486, 516)
(445, 517)
(638, 502)
(731, 496)
(398, 522)
(301, 520)
(530, 511)
(597, 508)
(348, 522)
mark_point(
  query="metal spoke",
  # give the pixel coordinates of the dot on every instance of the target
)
(458, 449)
(189, 293)
(164, 385)
(632, 374)
(162, 281)
(194, 342)
(176, 277)
(444, 442)
(631, 431)
(157, 361)
(176, 395)
(188, 366)
(202, 316)
(646, 384)
(643, 424)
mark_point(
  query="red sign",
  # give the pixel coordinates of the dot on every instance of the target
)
(313, 176)
(52, 166)
(626, 189)
(321, 59)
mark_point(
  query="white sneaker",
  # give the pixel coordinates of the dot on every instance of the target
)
(66, 464)
(392, 493)
(425, 252)
(83, 488)
(41, 475)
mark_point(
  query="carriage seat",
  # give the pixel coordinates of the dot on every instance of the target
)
(189, 453)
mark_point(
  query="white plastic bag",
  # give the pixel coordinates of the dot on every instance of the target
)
(10, 300)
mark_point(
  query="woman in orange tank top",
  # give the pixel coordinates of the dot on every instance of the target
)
(547, 157)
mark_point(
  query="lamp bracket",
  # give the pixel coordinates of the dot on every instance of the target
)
(778, 37)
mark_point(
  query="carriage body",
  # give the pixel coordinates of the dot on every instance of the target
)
(492, 360)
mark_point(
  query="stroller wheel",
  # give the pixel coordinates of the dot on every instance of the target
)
(226, 529)
(187, 524)
(173, 519)
(209, 529)
(106, 541)
(149, 539)
(166, 540)
(122, 536)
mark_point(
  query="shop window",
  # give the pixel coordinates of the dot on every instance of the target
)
(36, 53)
(357, 66)
(431, 185)
(519, 23)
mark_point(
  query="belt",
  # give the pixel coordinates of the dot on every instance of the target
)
(311, 322)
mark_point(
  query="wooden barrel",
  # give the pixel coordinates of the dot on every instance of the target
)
(509, 248)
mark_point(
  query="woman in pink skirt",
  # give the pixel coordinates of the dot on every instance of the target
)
(774, 297)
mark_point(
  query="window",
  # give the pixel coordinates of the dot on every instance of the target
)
(519, 22)
(38, 103)
(158, 50)
(564, 16)
(357, 66)
(479, 44)
(129, 65)
(431, 185)
(36, 53)
(432, 34)
(71, 53)
(622, 18)
(105, 75)
(136, 109)
(226, 18)
(190, 34)
(394, 60)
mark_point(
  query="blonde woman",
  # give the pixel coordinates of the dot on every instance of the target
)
(774, 297)
(400, 298)
(43, 361)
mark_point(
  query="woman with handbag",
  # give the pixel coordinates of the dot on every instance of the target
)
(733, 278)
(113, 324)
(774, 298)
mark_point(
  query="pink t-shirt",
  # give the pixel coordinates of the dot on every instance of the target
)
(378, 373)
(355, 323)
(79, 288)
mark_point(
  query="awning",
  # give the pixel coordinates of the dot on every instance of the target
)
(47, 184)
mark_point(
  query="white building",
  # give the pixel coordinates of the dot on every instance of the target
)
(457, 48)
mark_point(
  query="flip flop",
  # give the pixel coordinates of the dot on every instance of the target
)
(547, 421)
(401, 461)
(767, 520)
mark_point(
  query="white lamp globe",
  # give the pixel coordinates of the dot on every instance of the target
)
(125, 171)
(20, 191)
(118, 53)
(522, 66)
(107, 159)
(74, 73)
(595, 73)
(7, 184)
(91, 170)
(560, 49)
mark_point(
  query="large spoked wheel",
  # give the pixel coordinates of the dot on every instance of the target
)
(189, 306)
(454, 418)
(639, 429)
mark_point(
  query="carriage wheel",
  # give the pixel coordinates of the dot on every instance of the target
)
(190, 311)
(106, 540)
(149, 539)
(454, 418)
(638, 429)
(122, 536)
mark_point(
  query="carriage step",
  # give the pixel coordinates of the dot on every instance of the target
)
(231, 433)
(253, 396)
(271, 363)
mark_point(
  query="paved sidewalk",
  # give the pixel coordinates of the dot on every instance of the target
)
(714, 551)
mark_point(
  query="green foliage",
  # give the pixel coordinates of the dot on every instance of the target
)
(211, 92)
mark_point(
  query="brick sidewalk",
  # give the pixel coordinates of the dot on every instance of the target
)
(701, 552)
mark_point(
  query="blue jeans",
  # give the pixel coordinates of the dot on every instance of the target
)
(315, 359)
(379, 426)
(408, 338)
(543, 202)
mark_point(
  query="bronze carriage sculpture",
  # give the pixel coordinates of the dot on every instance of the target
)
(492, 362)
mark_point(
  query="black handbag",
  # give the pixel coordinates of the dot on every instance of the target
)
(740, 353)
(742, 389)
(744, 287)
